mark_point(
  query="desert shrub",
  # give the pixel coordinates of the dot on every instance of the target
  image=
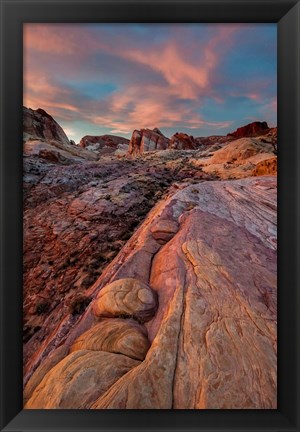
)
(126, 235)
(79, 304)
(42, 307)
(88, 280)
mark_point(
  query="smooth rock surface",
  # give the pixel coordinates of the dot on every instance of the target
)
(78, 380)
(55, 357)
(214, 335)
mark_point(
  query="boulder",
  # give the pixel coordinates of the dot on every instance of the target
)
(163, 230)
(119, 336)
(126, 298)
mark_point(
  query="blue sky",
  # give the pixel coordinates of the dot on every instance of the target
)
(202, 79)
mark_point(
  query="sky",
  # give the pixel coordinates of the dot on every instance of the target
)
(201, 79)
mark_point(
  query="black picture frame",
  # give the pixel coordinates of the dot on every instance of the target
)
(286, 13)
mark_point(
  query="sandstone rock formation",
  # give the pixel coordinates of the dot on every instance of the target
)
(39, 125)
(241, 158)
(77, 217)
(146, 140)
(55, 357)
(182, 141)
(129, 298)
(213, 140)
(251, 129)
(117, 336)
(79, 379)
(44, 138)
(149, 282)
(213, 336)
(104, 144)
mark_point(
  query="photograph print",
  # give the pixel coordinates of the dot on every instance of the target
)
(150, 216)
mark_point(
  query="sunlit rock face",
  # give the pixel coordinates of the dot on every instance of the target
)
(212, 331)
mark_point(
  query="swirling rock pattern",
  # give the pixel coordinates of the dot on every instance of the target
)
(118, 336)
(79, 379)
(126, 298)
(214, 334)
(55, 357)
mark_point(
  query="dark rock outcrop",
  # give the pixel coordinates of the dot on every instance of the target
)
(250, 130)
(182, 141)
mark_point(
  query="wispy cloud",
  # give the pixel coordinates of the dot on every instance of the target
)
(193, 78)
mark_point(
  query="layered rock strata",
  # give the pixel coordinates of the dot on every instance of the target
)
(146, 140)
(212, 333)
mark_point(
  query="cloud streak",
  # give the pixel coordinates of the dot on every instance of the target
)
(115, 78)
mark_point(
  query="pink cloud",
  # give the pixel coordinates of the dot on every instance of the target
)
(161, 83)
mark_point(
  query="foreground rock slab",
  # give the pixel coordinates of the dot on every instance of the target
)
(79, 379)
(213, 337)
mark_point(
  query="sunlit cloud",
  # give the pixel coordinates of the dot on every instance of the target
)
(199, 79)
